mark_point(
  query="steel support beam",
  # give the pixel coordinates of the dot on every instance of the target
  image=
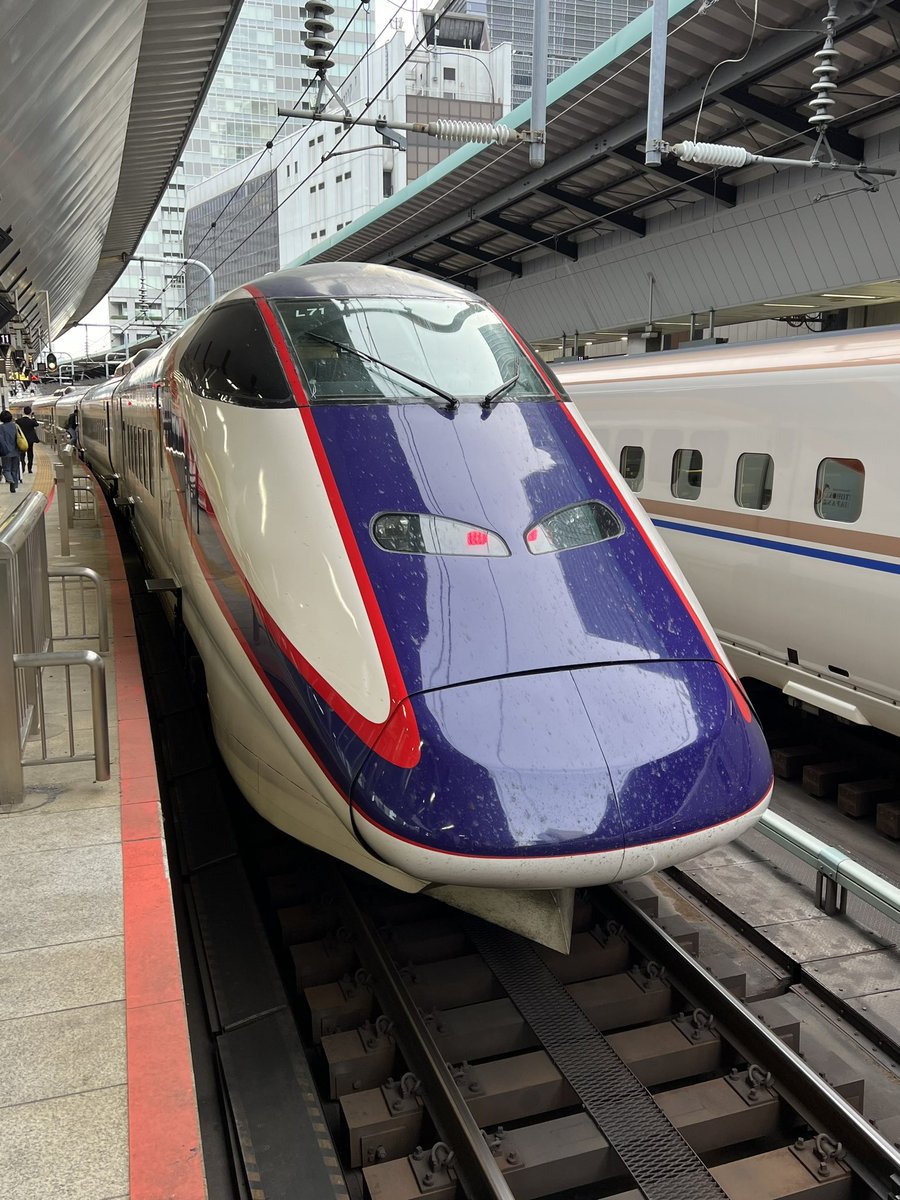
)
(549, 241)
(442, 272)
(585, 204)
(506, 263)
(784, 120)
(707, 185)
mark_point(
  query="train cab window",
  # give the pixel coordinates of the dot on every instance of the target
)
(839, 489)
(577, 525)
(231, 359)
(753, 480)
(687, 473)
(631, 466)
(391, 348)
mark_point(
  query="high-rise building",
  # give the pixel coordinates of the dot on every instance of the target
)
(576, 27)
(261, 69)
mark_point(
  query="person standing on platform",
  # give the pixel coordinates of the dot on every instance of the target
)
(29, 427)
(9, 451)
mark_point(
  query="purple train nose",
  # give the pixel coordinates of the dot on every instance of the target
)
(565, 777)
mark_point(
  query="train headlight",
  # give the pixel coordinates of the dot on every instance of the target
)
(422, 533)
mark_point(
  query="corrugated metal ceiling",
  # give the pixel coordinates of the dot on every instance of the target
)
(98, 98)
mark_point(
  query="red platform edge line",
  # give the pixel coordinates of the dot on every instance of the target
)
(164, 1150)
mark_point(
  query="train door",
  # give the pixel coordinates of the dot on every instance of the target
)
(173, 466)
(117, 442)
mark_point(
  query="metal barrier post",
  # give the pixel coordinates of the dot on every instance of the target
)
(62, 507)
(24, 628)
(12, 783)
(65, 457)
(64, 573)
(99, 711)
(833, 867)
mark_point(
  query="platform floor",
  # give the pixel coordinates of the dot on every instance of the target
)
(96, 1088)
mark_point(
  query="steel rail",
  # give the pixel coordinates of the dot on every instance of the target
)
(476, 1166)
(871, 1156)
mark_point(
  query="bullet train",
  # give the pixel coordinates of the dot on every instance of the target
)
(768, 470)
(442, 642)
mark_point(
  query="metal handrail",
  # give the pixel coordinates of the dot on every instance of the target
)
(102, 616)
(832, 865)
(25, 628)
(99, 713)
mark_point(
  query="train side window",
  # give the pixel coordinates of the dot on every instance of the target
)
(231, 359)
(631, 466)
(839, 489)
(753, 480)
(687, 473)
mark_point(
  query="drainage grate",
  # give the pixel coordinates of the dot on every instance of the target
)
(652, 1150)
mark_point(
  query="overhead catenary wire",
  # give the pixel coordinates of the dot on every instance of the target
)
(583, 224)
(724, 62)
(463, 183)
(823, 87)
(498, 157)
(590, 222)
(351, 125)
(365, 57)
(397, 5)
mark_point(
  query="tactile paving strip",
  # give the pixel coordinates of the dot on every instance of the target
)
(652, 1150)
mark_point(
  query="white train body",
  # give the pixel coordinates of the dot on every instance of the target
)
(799, 571)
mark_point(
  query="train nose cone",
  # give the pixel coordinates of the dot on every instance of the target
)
(563, 778)
(689, 764)
(510, 769)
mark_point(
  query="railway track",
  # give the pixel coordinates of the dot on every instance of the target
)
(622, 1064)
(366, 1043)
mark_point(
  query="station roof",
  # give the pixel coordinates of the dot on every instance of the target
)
(98, 99)
(483, 208)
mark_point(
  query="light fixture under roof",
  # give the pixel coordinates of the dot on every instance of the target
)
(847, 296)
(798, 306)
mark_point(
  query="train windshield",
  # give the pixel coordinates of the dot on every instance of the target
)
(461, 348)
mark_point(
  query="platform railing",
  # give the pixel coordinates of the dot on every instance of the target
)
(77, 625)
(26, 653)
(36, 664)
(77, 500)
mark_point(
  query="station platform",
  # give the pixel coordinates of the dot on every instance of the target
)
(97, 1098)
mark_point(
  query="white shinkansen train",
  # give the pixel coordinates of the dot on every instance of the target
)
(768, 470)
(441, 641)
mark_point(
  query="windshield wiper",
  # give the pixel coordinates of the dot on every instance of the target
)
(452, 401)
(500, 389)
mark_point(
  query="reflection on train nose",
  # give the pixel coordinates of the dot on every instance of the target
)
(570, 763)
(508, 765)
(681, 755)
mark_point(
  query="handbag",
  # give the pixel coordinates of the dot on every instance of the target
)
(21, 439)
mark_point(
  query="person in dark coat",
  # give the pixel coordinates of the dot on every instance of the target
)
(29, 427)
(9, 451)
